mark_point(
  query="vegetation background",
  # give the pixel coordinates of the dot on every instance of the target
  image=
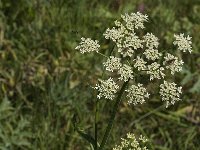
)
(44, 81)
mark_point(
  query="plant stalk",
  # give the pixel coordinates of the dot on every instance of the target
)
(96, 124)
(112, 118)
(97, 109)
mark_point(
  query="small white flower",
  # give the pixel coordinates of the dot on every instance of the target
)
(170, 93)
(126, 72)
(183, 43)
(88, 45)
(152, 54)
(131, 143)
(112, 63)
(128, 51)
(151, 41)
(155, 71)
(130, 43)
(113, 34)
(140, 64)
(119, 24)
(171, 62)
(132, 40)
(116, 34)
(143, 139)
(135, 20)
(137, 94)
(107, 88)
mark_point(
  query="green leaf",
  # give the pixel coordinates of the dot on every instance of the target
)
(84, 135)
(87, 137)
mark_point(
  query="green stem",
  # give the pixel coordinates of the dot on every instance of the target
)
(96, 124)
(97, 107)
(102, 54)
(111, 121)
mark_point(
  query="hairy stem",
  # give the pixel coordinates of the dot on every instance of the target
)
(111, 121)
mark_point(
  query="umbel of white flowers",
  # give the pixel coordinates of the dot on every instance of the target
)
(132, 143)
(140, 56)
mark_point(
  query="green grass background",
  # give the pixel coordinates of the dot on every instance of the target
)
(44, 81)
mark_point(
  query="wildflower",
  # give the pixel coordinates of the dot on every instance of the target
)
(130, 43)
(140, 64)
(155, 71)
(137, 94)
(107, 88)
(135, 20)
(126, 72)
(131, 143)
(88, 45)
(171, 62)
(128, 51)
(116, 34)
(183, 43)
(170, 93)
(152, 54)
(143, 139)
(132, 40)
(151, 41)
(112, 63)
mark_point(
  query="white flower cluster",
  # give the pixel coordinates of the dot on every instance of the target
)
(183, 43)
(88, 45)
(143, 138)
(140, 64)
(143, 54)
(116, 34)
(170, 93)
(107, 88)
(155, 71)
(135, 20)
(132, 143)
(137, 94)
(151, 41)
(112, 63)
(171, 62)
(152, 54)
(126, 72)
(131, 42)
(124, 36)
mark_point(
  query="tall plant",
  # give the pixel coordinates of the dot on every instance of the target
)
(136, 61)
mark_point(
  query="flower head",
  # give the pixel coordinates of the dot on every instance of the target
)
(135, 20)
(183, 43)
(155, 71)
(140, 64)
(151, 41)
(116, 33)
(170, 93)
(88, 45)
(146, 57)
(130, 43)
(152, 54)
(171, 62)
(107, 88)
(137, 94)
(132, 143)
(126, 72)
(143, 139)
(112, 63)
